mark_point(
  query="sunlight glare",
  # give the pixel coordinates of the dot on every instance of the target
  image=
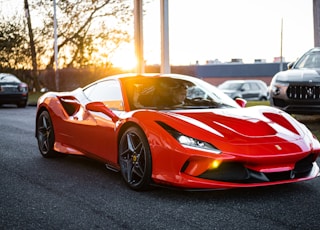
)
(125, 59)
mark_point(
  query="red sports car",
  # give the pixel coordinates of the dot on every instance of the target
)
(176, 130)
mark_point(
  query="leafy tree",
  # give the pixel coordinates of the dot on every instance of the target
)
(88, 31)
(14, 51)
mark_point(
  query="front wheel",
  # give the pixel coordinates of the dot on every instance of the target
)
(135, 159)
(45, 135)
(22, 104)
(263, 98)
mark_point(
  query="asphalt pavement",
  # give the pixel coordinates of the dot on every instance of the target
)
(78, 193)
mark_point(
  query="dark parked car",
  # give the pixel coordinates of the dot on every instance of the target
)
(251, 90)
(12, 90)
(297, 90)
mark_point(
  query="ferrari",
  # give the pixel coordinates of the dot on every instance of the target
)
(176, 131)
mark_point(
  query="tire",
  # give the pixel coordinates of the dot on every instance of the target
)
(45, 135)
(22, 104)
(135, 159)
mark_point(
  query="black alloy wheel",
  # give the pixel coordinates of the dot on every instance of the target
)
(45, 135)
(135, 159)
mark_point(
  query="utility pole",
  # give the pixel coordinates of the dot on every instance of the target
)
(281, 42)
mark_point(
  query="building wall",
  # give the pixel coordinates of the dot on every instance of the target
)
(218, 73)
(217, 81)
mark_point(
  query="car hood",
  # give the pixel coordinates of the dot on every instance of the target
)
(257, 124)
(299, 75)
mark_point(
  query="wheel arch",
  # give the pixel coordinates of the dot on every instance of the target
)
(263, 98)
(237, 96)
(40, 110)
(125, 127)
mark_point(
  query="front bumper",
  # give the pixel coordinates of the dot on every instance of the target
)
(296, 107)
(294, 98)
(188, 182)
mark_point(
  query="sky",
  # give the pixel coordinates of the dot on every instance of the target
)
(202, 30)
(206, 30)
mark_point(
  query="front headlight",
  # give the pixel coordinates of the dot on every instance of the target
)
(190, 142)
(275, 90)
(22, 87)
(277, 86)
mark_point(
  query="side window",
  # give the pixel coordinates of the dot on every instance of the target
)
(245, 87)
(108, 92)
(255, 86)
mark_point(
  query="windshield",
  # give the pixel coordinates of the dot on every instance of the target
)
(174, 93)
(9, 78)
(310, 60)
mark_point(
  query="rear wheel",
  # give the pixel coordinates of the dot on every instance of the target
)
(135, 159)
(45, 135)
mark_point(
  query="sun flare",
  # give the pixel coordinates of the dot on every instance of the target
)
(125, 59)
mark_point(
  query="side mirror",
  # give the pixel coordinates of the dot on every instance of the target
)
(290, 65)
(100, 107)
(240, 101)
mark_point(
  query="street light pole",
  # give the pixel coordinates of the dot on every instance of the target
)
(281, 38)
(138, 35)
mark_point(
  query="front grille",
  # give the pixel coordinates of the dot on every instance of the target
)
(237, 172)
(305, 165)
(228, 171)
(303, 92)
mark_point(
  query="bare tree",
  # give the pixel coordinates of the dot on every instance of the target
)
(32, 48)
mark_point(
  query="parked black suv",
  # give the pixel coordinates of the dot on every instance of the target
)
(297, 90)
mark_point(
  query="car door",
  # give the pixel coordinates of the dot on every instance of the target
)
(94, 132)
(245, 91)
(250, 91)
(255, 91)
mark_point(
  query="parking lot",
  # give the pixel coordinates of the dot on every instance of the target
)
(78, 193)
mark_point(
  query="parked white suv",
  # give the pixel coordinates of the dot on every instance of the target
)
(250, 90)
